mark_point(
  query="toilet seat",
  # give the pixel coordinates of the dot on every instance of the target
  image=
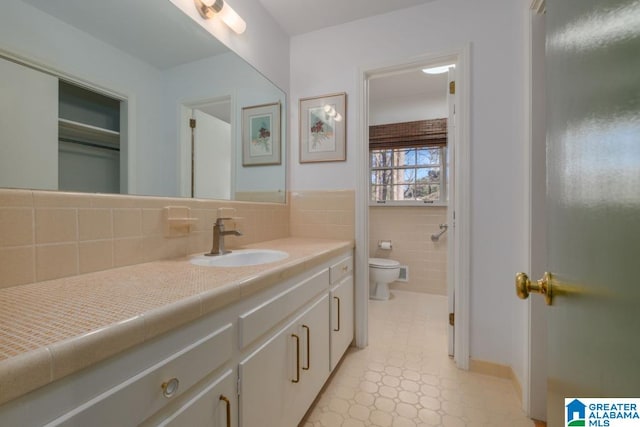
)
(383, 263)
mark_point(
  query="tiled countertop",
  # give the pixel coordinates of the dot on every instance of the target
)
(51, 329)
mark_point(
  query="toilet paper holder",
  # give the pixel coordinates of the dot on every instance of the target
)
(385, 245)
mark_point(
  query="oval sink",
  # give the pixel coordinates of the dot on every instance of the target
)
(240, 258)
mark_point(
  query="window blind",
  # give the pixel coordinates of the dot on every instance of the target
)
(413, 134)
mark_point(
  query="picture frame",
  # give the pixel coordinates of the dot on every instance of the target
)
(323, 124)
(261, 135)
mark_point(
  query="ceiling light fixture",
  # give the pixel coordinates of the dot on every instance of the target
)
(210, 8)
(438, 70)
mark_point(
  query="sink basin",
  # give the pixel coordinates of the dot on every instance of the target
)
(240, 258)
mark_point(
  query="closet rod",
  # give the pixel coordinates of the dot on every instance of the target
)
(88, 144)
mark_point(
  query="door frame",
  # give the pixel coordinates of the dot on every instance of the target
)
(535, 374)
(459, 195)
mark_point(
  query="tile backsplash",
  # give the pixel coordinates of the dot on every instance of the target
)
(323, 214)
(47, 235)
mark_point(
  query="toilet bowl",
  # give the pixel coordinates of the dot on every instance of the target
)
(382, 272)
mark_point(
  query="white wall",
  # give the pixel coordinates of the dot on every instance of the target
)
(407, 109)
(328, 61)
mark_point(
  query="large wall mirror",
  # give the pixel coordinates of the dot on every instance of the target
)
(133, 97)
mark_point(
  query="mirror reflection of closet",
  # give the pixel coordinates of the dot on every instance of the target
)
(88, 140)
(69, 139)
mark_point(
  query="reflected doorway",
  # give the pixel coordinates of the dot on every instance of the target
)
(211, 156)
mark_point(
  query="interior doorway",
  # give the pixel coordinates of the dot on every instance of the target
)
(457, 195)
(409, 112)
(208, 155)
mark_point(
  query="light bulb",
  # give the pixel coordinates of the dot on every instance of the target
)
(438, 70)
(232, 19)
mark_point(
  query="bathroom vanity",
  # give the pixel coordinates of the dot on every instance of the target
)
(222, 346)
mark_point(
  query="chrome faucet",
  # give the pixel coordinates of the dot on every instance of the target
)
(218, 237)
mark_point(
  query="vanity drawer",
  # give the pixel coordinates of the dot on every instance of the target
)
(262, 318)
(144, 394)
(341, 270)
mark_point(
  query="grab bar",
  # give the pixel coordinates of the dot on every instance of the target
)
(436, 237)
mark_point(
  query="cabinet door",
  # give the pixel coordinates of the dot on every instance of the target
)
(280, 380)
(313, 329)
(341, 319)
(215, 406)
(266, 381)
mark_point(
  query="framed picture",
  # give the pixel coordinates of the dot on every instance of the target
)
(323, 123)
(261, 135)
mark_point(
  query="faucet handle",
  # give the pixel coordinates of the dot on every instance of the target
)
(220, 221)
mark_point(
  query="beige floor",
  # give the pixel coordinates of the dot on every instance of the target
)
(405, 378)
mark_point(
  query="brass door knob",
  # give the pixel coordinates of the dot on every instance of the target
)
(543, 286)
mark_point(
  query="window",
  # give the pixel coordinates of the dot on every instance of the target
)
(407, 165)
(407, 174)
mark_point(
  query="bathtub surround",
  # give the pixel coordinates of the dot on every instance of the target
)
(410, 229)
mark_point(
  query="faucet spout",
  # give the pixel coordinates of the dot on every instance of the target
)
(218, 237)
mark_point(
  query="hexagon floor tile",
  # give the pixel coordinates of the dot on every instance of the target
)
(405, 377)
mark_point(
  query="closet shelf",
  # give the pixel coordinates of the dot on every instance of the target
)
(69, 130)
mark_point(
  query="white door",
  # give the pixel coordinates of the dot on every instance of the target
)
(29, 145)
(212, 161)
(593, 200)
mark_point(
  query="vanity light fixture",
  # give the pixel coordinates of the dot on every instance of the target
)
(438, 70)
(210, 8)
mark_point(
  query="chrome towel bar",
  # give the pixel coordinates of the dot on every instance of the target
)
(436, 237)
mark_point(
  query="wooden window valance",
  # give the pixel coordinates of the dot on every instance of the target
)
(419, 133)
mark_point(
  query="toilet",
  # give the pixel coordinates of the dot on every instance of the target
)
(382, 272)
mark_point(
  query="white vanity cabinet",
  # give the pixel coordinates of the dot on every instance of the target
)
(259, 362)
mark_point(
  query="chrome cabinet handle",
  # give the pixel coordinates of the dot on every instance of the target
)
(308, 348)
(170, 388)
(338, 329)
(297, 379)
(228, 404)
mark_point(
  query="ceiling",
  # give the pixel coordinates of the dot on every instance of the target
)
(303, 16)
